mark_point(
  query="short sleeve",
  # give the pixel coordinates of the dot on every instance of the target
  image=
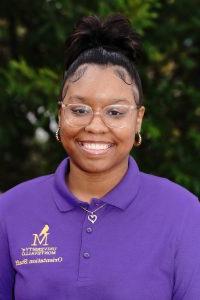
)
(6, 270)
(187, 258)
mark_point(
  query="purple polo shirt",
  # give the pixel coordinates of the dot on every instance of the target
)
(144, 245)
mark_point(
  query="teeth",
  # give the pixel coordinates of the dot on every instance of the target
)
(95, 146)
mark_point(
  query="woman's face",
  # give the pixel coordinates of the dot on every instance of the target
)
(99, 86)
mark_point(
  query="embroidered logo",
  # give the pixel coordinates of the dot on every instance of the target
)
(41, 238)
(39, 251)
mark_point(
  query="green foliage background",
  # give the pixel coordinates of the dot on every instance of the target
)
(32, 36)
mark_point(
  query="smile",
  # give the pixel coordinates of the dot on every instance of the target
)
(95, 148)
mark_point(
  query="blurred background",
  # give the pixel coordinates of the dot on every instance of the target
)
(32, 35)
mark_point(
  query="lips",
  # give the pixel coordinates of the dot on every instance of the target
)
(97, 147)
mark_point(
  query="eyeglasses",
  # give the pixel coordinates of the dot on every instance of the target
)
(80, 115)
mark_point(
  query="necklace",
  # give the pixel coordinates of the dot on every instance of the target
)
(92, 217)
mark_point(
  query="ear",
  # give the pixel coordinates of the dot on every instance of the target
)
(140, 115)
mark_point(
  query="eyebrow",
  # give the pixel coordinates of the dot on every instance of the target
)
(82, 99)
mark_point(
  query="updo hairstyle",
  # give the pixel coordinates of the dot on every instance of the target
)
(104, 42)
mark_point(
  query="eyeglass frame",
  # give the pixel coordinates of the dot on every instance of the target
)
(63, 105)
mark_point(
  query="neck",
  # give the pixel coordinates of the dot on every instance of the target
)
(86, 185)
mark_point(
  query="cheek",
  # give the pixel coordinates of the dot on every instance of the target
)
(67, 134)
(129, 140)
(126, 135)
(66, 130)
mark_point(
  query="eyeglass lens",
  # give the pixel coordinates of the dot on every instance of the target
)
(112, 115)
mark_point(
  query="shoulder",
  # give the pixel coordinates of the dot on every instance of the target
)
(169, 205)
(167, 193)
(23, 192)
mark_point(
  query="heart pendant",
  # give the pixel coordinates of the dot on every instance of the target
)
(92, 218)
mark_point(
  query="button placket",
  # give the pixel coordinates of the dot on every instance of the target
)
(86, 251)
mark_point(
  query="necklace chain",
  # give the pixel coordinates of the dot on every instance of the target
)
(93, 210)
(92, 217)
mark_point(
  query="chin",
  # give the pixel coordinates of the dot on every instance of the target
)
(95, 166)
(102, 165)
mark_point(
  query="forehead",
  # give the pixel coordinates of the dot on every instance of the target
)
(100, 83)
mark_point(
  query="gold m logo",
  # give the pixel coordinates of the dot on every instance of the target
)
(41, 238)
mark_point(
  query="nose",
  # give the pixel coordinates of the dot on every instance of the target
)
(96, 125)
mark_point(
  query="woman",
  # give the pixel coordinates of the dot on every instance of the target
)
(99, 228)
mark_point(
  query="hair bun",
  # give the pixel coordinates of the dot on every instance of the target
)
(114, 34)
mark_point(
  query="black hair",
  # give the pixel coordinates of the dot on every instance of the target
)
(105, 42)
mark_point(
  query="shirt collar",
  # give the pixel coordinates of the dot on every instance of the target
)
(120, 196)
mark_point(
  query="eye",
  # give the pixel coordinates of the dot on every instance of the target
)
(79, 110)
(115, 112)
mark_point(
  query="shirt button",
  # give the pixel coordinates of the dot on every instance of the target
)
(89, 230)
(86, 255)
